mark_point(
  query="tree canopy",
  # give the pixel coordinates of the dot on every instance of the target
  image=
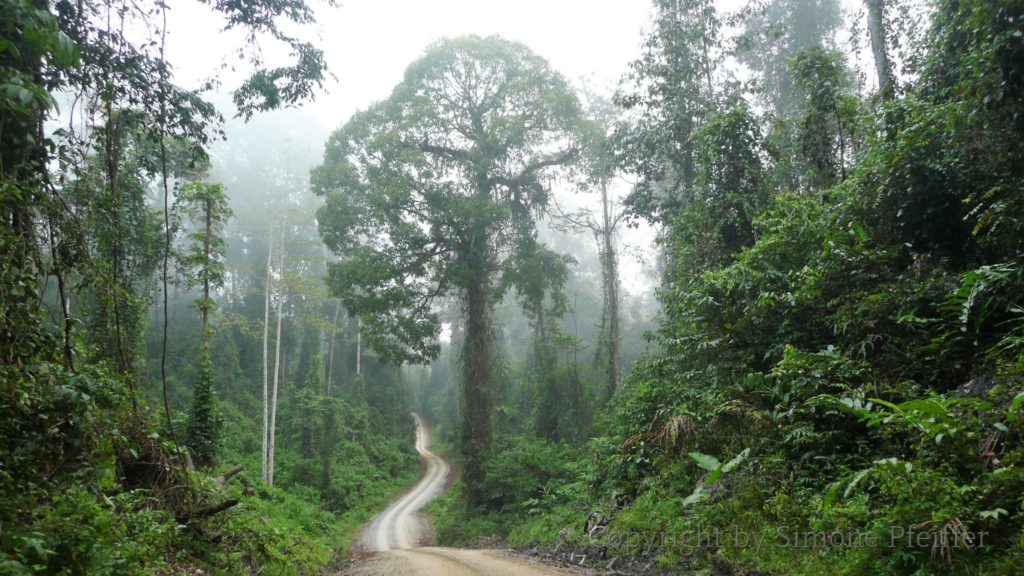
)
(442, 182)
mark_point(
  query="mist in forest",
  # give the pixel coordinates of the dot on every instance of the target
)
(370, 286)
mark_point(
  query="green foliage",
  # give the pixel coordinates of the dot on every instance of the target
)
(826, 115)
(66, 438)
(859, 346)
(89, 485)
(671, 90)
(203, 208)
(532, 491)
(204, 419)
(728, 191)
(397, 171)
(521, 470)
(457, 526)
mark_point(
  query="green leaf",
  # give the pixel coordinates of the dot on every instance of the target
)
(888, 405)
(832, 495)
(736, 461)
(993, 514)
(699, 495)
(705, 461)
(855, 481)
(1016, 403)
(925, 406)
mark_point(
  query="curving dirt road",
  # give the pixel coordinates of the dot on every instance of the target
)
(397, 527)
(395, 535)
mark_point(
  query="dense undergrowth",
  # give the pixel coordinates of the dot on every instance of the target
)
(124, 358)
(838, 386)
(92, 487)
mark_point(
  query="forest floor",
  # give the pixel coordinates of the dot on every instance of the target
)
(392, 543)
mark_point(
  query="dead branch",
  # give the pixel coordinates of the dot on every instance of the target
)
(227, 475)
(206, 512)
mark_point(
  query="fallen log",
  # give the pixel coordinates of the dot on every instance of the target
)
(206, 512)
(186, 517)
(227, 475)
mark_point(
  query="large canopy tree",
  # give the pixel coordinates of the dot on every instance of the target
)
(435, 190)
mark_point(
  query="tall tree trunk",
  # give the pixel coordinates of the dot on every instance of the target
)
(112, 161)
(266, 356)
(207, 240)
(547, 380)
(877, 32)
(277, 365)
(327, 450)
(610, 273)
(477, 367)
(330, 348)
(359, 346)
(65, 299)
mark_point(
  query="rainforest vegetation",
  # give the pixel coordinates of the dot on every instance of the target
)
(216, 315)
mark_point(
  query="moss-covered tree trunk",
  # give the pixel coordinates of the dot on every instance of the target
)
(22, 166)
(477, 381)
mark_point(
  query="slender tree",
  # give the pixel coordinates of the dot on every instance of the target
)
(604, 227)
(878, 32)
(277, 361)
(540, 277)
(823, 80)
(331, 345)
(264, 469)
(206, 205)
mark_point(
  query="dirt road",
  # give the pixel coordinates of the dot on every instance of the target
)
(398, 526)
(451, 562)
(395, 535)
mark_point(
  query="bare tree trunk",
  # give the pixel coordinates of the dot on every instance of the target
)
(277, 365)
(610, 271)
(359, 346)
(877, 32)
(266, 322)
(331, 346)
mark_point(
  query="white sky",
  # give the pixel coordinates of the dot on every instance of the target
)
(369, 43)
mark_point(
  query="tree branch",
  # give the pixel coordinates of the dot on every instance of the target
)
(564, 157)
(206, 512)
(227, 475)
